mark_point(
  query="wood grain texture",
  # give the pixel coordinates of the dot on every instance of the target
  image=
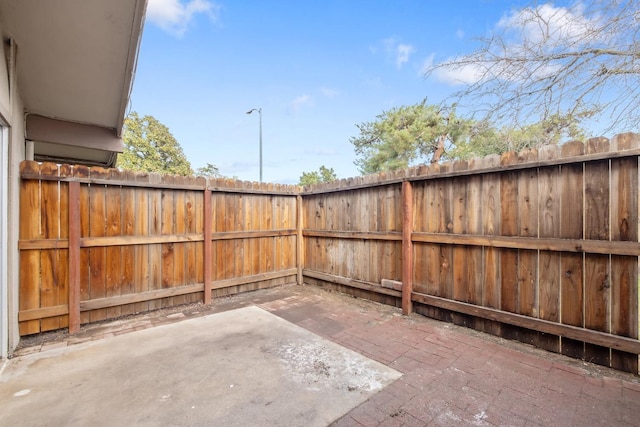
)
(550, 236)
(98, 228)
(407, 247)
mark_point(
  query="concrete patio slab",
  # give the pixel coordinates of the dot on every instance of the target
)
(236, 368)
(452, 375)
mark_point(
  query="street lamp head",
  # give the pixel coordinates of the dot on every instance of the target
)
(259, 110)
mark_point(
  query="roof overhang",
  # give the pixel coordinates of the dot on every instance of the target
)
(76, 60)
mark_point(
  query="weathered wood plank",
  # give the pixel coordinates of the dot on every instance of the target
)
(509, 227)
(29, 298)
(208, 259)
(113, 283)
(74, 260)
(346, 281)
(407, 247)
(530, 243)
(155, 250)
(549, 262)
(624, 270)
(98, 256)
(141, 252)
(459, 255)
(50, 275)
(167, 227)
(300, 225)
(545, 326)
(120, 300)
(597, 267)
(127, 252)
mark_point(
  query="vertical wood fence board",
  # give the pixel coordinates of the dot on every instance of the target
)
(82, 172)
(167, 227)
(128, 252)
(63, 254)
(407, 247)
(141, 227)
(459, 253)
(50, 222)
(624, 269)
(509, 227)
(597, 267)
(528, 227)
(548, 290)
(445, 200)
(29, 260)
(208, 259)
(155, 250)
(97, 255)
(179, 278)
(572, 265)
(113, 253)
(74, 269)
(491, 220)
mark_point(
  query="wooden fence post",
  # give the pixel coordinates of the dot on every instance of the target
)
(407, 247)
(74, 257)
(207, 246)
(299, 247)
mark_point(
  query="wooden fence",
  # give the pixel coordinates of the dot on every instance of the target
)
(540, 246)
(99, 243)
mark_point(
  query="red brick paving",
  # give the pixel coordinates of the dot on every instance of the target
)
(452, 376)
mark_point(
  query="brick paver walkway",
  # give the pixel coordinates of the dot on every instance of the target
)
(452, 376)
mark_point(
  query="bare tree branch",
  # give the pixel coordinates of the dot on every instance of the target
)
(544, 60)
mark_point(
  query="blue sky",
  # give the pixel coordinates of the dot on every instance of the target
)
(315, 68)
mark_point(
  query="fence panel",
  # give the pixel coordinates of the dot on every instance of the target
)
(141, 241)
(540, 246)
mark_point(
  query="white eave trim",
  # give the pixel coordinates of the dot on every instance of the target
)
(137, 25)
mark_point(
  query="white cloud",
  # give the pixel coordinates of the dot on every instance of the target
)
(300, 102)
(329, 92)
(550, 26)
(403, 51)
(398, 52)
(467, 74)
(175, 16)
(526, 32)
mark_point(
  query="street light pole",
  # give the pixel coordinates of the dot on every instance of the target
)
(259, 110)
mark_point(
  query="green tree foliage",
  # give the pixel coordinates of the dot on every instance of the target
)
(317, 177)
(483, 139)
(209, 171)
(419, 133)
(149, 146)
(404, 135)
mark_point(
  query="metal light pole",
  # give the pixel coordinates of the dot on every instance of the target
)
(259, 110)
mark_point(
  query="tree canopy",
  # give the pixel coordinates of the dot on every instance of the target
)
(323, 174)
(149, 146)
(543, 60)
(420, 133)
(209, 171)
(400, 136)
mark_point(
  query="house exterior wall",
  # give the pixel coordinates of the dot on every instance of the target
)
(12, 118)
